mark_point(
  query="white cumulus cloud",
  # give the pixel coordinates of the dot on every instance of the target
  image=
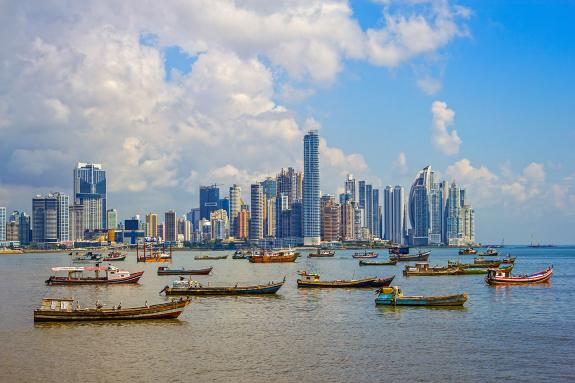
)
(445, 140)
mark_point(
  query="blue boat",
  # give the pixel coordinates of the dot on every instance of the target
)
(392, 296)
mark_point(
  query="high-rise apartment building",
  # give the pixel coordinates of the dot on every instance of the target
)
(170, 226)
(349, 187)
(347, 221)
(2, 224)
(330, 219)
(90, 191)
(419, 210)
(112, 219)
(24, 228)
(243, 222)
(269, 186)
(388, 213)
(50, 218)
(398, 216)
(220, 224)
(257, 216)
(235, 207)
(311, 190)
(209, 200)
(152, 225)
(76, 214)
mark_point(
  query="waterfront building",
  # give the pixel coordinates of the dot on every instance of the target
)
(152, 225)
(161, 233)
(170, 226)
(299, 188)
(467, 221)
(242, 224)
(398, 223)
(282, 205)
(48, 219)
(76, 214)
(269, 216)
(358, 222)
(286, 184)
(90, 191)
(184, 229)
(296, 221)
(330, 219)
(2, 224)
(12, 232)
(24, 228)
(376, 214)
(361, 194)
(419, 210)
(435, 215)
(194, 217)
(222, 228)
(209, 200)
(112, 219)
(225, 204)
(235, 206)
(454, 215)
(257, 216)
(369, 209)
(388, 213)
(311, 190)
(349, 187)
(347, 221)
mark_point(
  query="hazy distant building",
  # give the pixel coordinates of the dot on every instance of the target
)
(220, 226)
(24, 227)
(467, 222)
(170, 226)
(347, 221)
(12, 231)
(296, 221)
(311, 190)
(419, 209)
(243, 224)
(269, 186)
(112, 218)
(349, 187)
(330, 219)
(269, 216)
(76, 215)
(90, 191)
(2, 224)
(398, 223)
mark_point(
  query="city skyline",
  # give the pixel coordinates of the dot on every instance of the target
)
(401, 86)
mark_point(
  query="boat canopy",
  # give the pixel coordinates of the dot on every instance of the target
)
(80, 268)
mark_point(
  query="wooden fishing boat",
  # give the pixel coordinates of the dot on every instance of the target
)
(114, 256)
(321, 253)
(423, 269)
(190, 287)
(488, 253)
(488, 262)
(467, 251)
(75, 276)
(241, 254)
(421, 256)
(486, 265)
(209, 257)
(399, 250)
(393, 296)
(363, 262)
(504, 277)
(312, 280)
(475, 271)
(64, 310)
(163, 270)
(86, 257)
(281, 256)
(365, 255)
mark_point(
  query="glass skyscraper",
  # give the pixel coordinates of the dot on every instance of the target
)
(419, 208)
(311, 192)
(2, 224)
(209, 200)
(50, 218)
(90, 191)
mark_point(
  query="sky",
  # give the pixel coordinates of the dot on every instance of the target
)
(170, 95)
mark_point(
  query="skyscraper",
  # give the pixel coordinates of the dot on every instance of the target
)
(330, 219)
(112, 219)
(76, 215)
(349, 187)
(398, 216)
(453, 215)
(361, 196)
(311, 190)
(388, 213)
(2, 224)
(235, 206)
(419, 210)
(90, 191)
(24, 229)
(269, 186)
(347, 221)
(369, 209)
(435, 215)
(50, 217)
(209, 200)
(151, 225)
(170, 226)
(257, 216)
(376, 214)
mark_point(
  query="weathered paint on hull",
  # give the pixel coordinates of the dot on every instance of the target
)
(273, 258)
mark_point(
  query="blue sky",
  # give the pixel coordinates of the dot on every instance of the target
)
(183, 94)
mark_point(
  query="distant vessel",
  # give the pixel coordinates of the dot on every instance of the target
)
(321, 253)
(467, 251)
(163, 270)
(209, 257)
(63, 310)
(312, 280)
(365, 255)
(421, 256)
(503, 277)
(190, 287)
(279, 256)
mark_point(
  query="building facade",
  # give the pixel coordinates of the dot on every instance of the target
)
(257, 215)
(209, 200)
(90, 191)
(112, 219)
(311, 190)
(170, 226)
(235, 207)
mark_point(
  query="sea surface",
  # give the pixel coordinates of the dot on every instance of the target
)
(511, 334)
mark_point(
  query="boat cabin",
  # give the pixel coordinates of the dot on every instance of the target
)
(390, 292)
(309, 277)
(57, 304)
(185, 284)
(504, 272)
(111, 272)
(419, 266)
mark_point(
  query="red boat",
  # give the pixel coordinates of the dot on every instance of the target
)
(503, 277)
(111, 275)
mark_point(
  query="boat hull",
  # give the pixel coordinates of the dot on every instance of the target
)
(186, 272)
(273, 258)
(112, 259)
(435, 301)
(377, 263)
(55, 281)
(541, 277)
(409, 258)
(431, 273)
(358, 283)
(245, 290)
(169, 310)
(208, 258)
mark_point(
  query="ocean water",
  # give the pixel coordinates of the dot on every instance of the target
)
(510, 333)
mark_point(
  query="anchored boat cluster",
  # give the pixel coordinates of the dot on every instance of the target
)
(498, 271)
